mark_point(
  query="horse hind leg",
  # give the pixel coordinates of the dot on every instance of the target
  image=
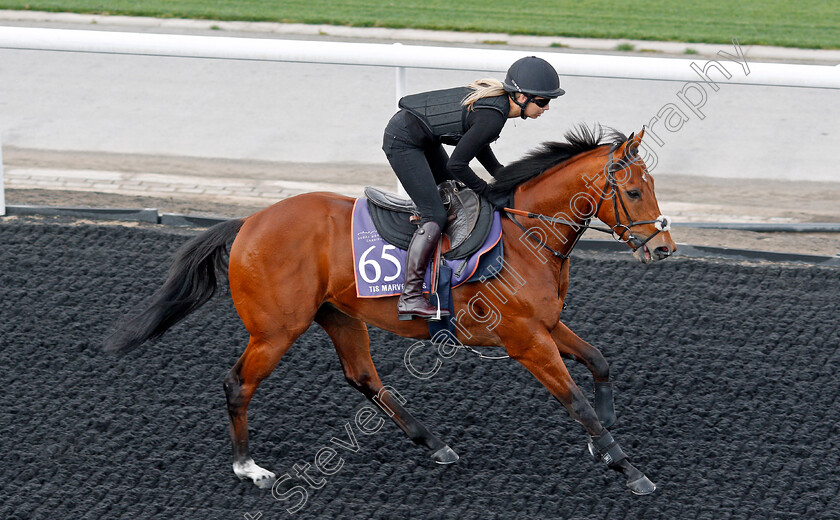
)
(570, 345)
(352, 343)
(256, 363)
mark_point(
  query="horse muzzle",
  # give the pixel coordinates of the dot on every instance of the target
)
(657, 246)
(650, 252)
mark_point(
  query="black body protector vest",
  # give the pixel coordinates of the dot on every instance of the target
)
(442, 114)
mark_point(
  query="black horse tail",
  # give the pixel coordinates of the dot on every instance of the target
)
(191, 284)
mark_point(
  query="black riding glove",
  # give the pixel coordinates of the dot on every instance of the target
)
(497, 199)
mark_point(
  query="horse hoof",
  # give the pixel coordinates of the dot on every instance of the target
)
(265, 482)
(445, 455)
(642, 486)
(593, 452)
(248, 470)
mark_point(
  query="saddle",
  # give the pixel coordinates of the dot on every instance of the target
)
(469, 218)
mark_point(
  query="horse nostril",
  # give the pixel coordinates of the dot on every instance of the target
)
(662, 251)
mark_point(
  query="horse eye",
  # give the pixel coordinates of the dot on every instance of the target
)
(634, 194)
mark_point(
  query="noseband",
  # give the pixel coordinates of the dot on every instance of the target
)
(620, 231)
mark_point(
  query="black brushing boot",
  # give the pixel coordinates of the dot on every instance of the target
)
(412, 303)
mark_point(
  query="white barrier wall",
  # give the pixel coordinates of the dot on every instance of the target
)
(688, 71)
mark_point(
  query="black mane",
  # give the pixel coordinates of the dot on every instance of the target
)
(579, 139)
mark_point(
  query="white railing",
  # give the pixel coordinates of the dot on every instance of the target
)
(405, 56)
(411, 56)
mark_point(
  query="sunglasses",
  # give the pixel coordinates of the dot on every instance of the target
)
(542, 103)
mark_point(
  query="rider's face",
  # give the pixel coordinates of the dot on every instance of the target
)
(532, 110)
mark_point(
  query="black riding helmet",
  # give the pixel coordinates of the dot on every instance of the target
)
(533, 77)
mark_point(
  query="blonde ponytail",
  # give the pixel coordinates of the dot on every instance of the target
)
(482, 88)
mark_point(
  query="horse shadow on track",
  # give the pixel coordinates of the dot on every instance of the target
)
(726, 375)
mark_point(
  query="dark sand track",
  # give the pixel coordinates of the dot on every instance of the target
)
(727, 383)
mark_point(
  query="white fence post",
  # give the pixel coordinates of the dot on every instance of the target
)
(400, 82)
(401, 87)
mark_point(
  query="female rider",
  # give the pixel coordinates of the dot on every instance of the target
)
(470, 118)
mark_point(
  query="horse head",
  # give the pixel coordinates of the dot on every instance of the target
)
(628, 203)
(587, 177)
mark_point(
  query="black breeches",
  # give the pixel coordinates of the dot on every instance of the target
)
(420, 170)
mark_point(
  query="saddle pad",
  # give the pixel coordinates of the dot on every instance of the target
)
(380, 266)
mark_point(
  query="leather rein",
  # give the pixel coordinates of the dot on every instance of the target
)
(618, 231)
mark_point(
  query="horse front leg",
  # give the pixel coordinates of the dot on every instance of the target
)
(541, 357)
(570, 345)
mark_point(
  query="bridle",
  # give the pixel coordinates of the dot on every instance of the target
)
(618, 231)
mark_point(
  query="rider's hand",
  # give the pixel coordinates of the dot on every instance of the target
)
(498, 200)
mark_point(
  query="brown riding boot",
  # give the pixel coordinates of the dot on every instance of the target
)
(412, 303)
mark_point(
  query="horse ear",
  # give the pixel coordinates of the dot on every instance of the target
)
(639, 137)
(631, 147)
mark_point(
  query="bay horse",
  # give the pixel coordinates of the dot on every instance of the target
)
(292, 264)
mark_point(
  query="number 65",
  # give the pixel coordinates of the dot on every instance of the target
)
(377, 270)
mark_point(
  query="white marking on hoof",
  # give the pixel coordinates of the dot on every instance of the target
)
(248, 469)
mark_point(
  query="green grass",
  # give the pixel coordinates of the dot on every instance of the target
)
(806, 23)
